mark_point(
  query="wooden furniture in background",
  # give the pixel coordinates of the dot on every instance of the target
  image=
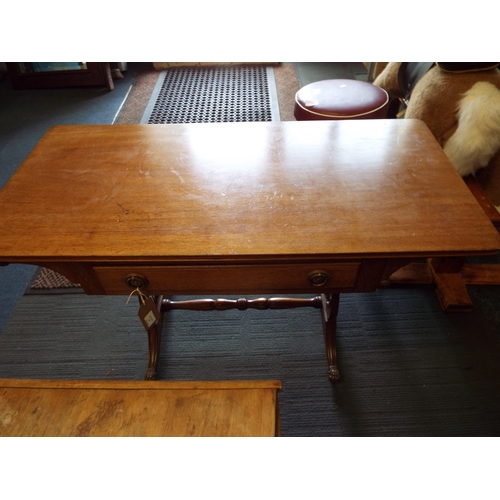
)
(483, 200)
(133, 408)
(452, 275)
(95, 74)
(313, 207)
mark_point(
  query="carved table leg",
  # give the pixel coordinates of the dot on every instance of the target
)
(154, 342)
(330, 310)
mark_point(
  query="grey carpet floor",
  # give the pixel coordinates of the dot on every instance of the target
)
(407, 368)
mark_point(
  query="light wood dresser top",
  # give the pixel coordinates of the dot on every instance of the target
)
(134, 408)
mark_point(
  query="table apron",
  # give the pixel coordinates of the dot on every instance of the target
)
(169, 278)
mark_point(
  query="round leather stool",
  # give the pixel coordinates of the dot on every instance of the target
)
(340, 100)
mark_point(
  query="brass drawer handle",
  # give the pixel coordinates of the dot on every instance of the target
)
(136, 281)
(318, 278)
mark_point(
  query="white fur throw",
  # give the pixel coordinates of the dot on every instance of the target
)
(477, 137)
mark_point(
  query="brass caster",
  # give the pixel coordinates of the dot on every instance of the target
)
(333, 374)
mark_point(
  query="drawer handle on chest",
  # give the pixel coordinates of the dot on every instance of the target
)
(318, 278)
(136, 281)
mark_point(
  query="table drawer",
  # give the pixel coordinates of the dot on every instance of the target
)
(232, 279)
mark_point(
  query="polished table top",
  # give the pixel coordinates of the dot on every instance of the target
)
(239, 192)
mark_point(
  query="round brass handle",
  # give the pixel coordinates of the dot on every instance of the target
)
(318, 278)
(136, 281)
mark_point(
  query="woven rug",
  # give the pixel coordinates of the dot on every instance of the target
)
(46, 280)
(283, 79)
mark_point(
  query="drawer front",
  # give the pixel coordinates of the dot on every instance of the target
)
(231, 279)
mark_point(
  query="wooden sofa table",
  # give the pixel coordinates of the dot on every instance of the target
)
(317, 208)
(133, 408)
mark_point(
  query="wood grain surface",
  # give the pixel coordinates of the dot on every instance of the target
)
(232, 192)
(133, 408)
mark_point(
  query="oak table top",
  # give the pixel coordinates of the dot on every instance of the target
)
(239, 192)
(133, 408)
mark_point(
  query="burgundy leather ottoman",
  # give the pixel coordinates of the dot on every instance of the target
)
(340, 100)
